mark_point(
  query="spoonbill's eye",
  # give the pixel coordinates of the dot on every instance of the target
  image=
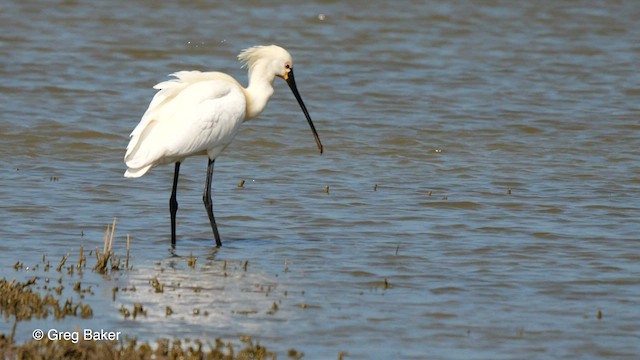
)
(287, 66)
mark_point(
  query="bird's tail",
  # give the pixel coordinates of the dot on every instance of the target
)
(136, 172)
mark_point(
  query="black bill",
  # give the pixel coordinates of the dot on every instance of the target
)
(292, 84)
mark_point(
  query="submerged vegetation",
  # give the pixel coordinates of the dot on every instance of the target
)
(44, 297)
(131, 349)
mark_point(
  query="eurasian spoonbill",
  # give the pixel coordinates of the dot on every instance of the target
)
(199, 113)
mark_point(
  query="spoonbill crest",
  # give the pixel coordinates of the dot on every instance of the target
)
(199, 113)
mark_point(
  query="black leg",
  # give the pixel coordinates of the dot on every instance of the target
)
(208, 204)
(173, 205)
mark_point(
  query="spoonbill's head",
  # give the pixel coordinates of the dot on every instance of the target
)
(268, 61)
(271, 61)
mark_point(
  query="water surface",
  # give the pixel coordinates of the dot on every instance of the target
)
(502, 137)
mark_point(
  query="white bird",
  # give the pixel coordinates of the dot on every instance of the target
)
(199, 113)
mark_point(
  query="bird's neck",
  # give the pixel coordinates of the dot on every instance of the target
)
(258, 93)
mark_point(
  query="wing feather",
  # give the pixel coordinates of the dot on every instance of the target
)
(193, 113)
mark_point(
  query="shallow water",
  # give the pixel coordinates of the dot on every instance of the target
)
(502, 137)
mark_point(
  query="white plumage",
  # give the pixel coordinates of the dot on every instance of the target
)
(201, 112)
(196, 113)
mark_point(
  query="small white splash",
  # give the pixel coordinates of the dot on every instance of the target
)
(195, 44)
(321, 17)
